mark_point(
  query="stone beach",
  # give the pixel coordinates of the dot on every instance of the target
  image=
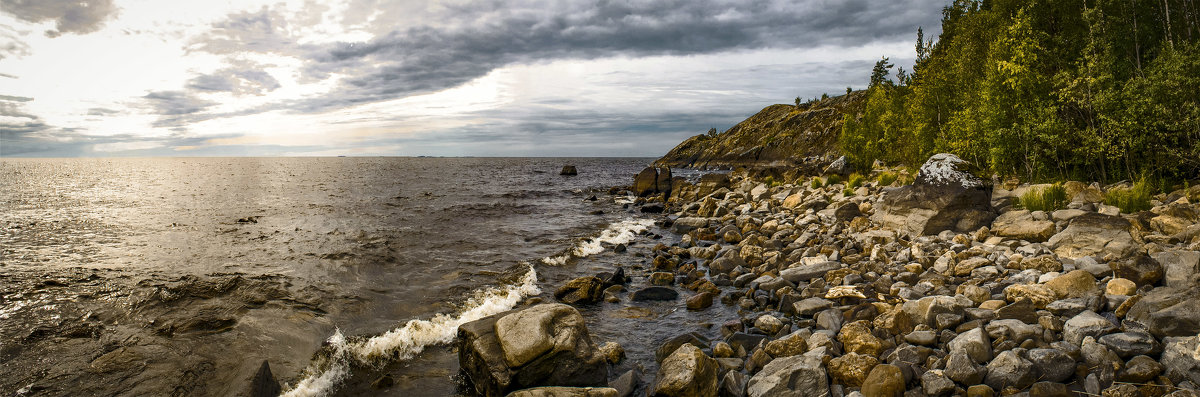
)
(939, 287)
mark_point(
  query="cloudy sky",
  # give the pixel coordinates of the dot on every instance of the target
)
(408, 77)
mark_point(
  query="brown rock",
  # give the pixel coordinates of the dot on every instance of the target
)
(884, 381)
(856, 337)
(852, 368)
(1074, 284)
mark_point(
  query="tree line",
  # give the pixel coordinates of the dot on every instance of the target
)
(1044, 90)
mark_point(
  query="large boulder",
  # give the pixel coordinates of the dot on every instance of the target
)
(652, 181)
(1181, 358)
(1020, 225)
(1178, 267)
(794, 376)
(687, 372)
(544, 345)
(1094, 234)
(587, 289)
(945, 196)
(1168, 311)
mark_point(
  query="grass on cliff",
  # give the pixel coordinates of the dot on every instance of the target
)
(1050, 198)
(1132, 199)
(886, 178)
(856, 180)
(833, 180)
(816, 183)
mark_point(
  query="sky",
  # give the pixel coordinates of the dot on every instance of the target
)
(110, 78)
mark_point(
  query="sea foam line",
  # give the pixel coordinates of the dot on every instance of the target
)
(409, 340)
(618, 233)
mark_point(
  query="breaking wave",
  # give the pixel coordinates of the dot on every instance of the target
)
(618, 233)
(405, 342)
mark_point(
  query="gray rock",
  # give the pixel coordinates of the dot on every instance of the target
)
(926, 310)
(974, 343)
(1140, 369)
(544, 345)
(1009, 369)
(924, 338)
(744, 340)
(1020, 224)
(935, 383)
(945, 196)
(687, 372)
(627, 383)
(1013, 330)
(768, 323)
(691, 338)
(733, 384)
(1129, 344)
(803, 273)
(684, 225)
(1094, 234)
(1179, 267)
(795, 376)
(962, 369)
(811, 306)
(1052, 364)
(1085, 324)
(1181, 358)
(1169, 311)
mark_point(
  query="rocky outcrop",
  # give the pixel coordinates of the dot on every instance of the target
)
(652, 181)
(544, 345)
(1021, 225)
(945, 196)
(569, 170)
(778, 135)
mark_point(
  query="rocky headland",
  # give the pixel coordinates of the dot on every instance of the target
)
(934, 284)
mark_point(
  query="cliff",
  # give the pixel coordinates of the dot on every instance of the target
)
(779, 135)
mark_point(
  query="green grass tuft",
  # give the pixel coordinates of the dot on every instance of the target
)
(887, 178)
(833, 180)
(1053, 197)
(1130, 200)
(816, 183)
(856, 180)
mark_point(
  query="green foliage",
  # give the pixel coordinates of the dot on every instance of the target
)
(1132, 199)
(712, 132)
(1050, 198)
(816, 183)
(833, 179)
(856, 180)
(886, 178)
(797, 102)
(1042, 89)
(847, 192)
(771, 182)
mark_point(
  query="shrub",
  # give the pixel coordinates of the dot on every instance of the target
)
(855, 181)
(1048, 198)
(816, 183)
(1130, 200)
(887, 178)
(771, 182)
(847, 192)
(833, 180)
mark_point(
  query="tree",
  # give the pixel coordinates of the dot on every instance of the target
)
(880, 72)
(797, 102)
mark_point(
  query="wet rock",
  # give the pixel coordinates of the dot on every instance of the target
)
(744, 341)
(582, 290)
(1009, 369)
(1094, 234)
(700, 301)
(945, 196)
(655, 293)
(646, 182)
(613, 352)
(263, 384)
(1181, 358)
(1168, 311)
(687, 372)
(383, 382)
(1052, 364)
(851, 369)
(795, 376)
(627, 383)
(885, 380)
(687, 224)
(673, 344)
(544, 345)
(569, 170)
(1085, 324)
(1019, 224)
(559, 391)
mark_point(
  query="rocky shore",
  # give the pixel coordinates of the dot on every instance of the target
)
(939, 287)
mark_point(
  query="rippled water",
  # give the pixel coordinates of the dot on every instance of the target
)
(185, 274)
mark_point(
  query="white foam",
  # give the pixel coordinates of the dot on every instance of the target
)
(618, 233)
(411, 339)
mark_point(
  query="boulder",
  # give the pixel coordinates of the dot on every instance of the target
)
(663, 181)
(568, 170)
(1181, 358)
(945, 196)
(544, 345)
(1052, 364)
(1074, 284)
(1086, 324)
(841, 166)
(582, 290)
(1174, 218)
(1141, 269)
(687, 372)
(646, 182)
(1009, 369)
(673, 344)
(803, 273)
(1094, 234)
(856, 337)
(795, 376)
(974, 343)
(1168, 311)
(926, 309)
(687, 224)
(1129, 344)
(851, 369)
(1178, 267)
(1019, 224)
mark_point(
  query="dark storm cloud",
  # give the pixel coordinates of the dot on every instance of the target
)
(236, 81)
(69, 16)
(475, 39)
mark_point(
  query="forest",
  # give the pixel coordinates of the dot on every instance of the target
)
(1044, 90)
